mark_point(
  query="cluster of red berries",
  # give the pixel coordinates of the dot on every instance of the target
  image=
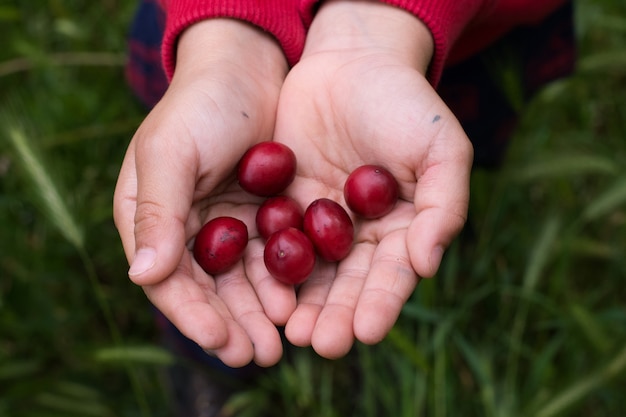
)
(293, 237)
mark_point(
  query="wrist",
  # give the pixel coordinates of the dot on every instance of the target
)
(229, 45)
(369, 25)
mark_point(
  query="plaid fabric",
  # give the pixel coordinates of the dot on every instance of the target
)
(144, 71)
(487, 107)
(488, 91)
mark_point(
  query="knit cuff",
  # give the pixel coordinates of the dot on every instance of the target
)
(445, 19)
(277, 17)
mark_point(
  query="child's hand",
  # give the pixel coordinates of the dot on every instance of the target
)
(359, 95)
(178, 173)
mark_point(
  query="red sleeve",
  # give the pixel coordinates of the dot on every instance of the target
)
(278, 17)
(446, 20)
(460, 28)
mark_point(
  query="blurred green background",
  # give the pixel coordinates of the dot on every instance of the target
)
(529, 319)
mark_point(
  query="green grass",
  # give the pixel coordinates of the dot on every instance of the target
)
(526, 318)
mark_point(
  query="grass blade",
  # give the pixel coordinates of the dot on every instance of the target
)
(18, 369)
(536, 264)
(47, 190)
(98, 59)
(590, 327)
(440, 383)
(585, 386)
(566, 166)
(408, 348)
(608, 201)
(147, 354)
(603, 61)
(481, 369)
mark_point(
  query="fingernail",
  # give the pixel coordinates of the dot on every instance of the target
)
(144, 260)
(435, 258)
(211, 353)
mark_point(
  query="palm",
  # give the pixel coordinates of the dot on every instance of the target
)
(338, 112)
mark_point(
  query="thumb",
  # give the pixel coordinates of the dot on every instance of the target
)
(441, 202)
(151, 207)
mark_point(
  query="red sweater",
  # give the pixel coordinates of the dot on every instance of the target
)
(460, 28)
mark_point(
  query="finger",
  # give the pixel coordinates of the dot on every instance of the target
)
(441, 201)
(193, 306)
(278, 299)
(166, 174)
(390, 282)
(238, 351)
(238, 294)
(125, 203)
(311, 298)
(333, 335)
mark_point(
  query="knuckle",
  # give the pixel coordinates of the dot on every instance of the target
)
(149, 216)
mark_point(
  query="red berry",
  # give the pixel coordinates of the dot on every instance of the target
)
(267, 169)
(220, 244)
(330, 229)
(371, 191)
(278, 213)
(289, 256)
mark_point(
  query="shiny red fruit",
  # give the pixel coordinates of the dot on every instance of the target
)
(289, 256)
(266, 169)
(220, 244)
(277, 213)
(371, 191)
(330, 229)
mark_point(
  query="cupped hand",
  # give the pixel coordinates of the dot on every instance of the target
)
(178, 173)
(358, 96)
